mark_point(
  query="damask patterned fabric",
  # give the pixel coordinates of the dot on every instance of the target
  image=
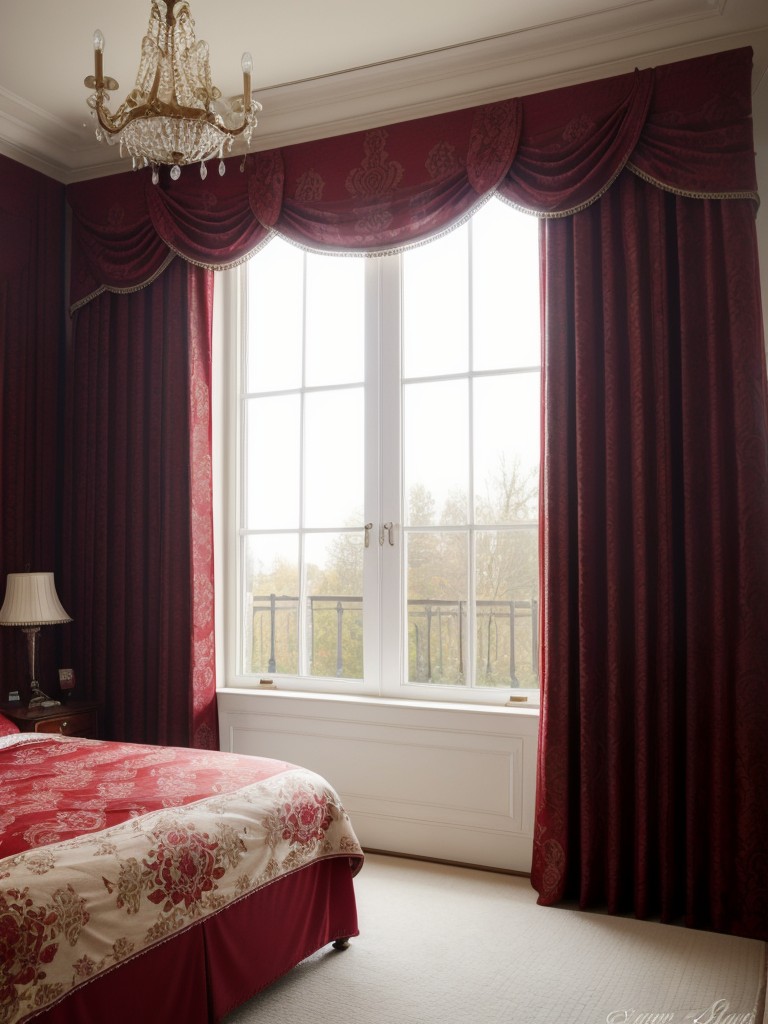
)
(109, 849)
(651, 795)
(686, 127)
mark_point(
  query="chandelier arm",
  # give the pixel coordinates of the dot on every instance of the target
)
(114, 126)
(159, 109)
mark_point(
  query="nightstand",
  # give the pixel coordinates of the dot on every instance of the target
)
(75, 718)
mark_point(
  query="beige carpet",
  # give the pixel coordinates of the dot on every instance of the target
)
(443, 945)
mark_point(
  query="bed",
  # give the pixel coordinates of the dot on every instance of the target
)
(158, 883)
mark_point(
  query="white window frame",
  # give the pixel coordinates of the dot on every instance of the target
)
(384, 626)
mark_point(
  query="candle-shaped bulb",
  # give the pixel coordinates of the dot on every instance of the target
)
(98, 58)
(247, 65)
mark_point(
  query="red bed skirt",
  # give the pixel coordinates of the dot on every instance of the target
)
(204, 973)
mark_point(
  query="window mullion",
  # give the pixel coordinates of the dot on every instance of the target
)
(470, 673)
(303, 654)
(392, 557)
(372, 485)
(237, 493)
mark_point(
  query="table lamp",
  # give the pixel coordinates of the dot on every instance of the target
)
(31, 601)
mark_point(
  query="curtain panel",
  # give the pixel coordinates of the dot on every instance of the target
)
(652, 761)
(137, 518)
(651, 793)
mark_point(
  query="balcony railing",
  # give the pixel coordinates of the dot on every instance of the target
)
(437, 631)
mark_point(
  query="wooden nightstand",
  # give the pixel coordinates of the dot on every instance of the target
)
(75, 718)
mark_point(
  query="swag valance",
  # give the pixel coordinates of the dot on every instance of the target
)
(685, 127)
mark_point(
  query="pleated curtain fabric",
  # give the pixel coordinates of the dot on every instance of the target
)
(32, 324)
(652, 794)
(137, 518)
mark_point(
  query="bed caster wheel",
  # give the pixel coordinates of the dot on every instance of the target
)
(341, 944)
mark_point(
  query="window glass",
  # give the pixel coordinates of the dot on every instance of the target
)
(333, 458)
(270, 607)
(435, 306)
(335, 605)
(437, 609)
(272, 469)
(506, 448)
(506, 592)
(505, 288)
(436, 452)
(275, 316)
(335, 310)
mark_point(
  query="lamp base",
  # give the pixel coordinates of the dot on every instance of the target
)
(40, 699)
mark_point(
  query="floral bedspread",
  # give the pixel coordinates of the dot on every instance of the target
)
(151, 839)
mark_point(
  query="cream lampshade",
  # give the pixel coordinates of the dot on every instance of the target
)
(30, 602)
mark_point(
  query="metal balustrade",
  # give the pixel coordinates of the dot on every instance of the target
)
(436, 636)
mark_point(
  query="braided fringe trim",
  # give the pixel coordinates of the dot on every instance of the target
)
(686, 194)
(123, 291)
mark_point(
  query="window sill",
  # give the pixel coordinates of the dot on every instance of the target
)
(528, 710)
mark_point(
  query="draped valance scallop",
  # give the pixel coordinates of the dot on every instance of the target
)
(685, 127)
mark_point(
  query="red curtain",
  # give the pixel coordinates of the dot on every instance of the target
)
(31, 342)
(137, 528)
(652, 792)
(652, 759)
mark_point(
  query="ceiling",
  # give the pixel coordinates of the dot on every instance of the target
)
(342, 65)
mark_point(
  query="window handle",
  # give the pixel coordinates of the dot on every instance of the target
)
(368, 527)
(388, 529)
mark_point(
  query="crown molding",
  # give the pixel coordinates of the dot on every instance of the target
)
(346, 104)
(534, 60)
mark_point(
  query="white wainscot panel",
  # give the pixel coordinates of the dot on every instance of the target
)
(445, 782)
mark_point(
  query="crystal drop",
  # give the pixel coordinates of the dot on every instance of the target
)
(222, 168)
(175, 172)
(155, 176)
(203, 171)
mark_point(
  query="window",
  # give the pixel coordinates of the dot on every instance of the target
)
(386, 523)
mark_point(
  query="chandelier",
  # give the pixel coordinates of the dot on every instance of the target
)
(174, 115)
